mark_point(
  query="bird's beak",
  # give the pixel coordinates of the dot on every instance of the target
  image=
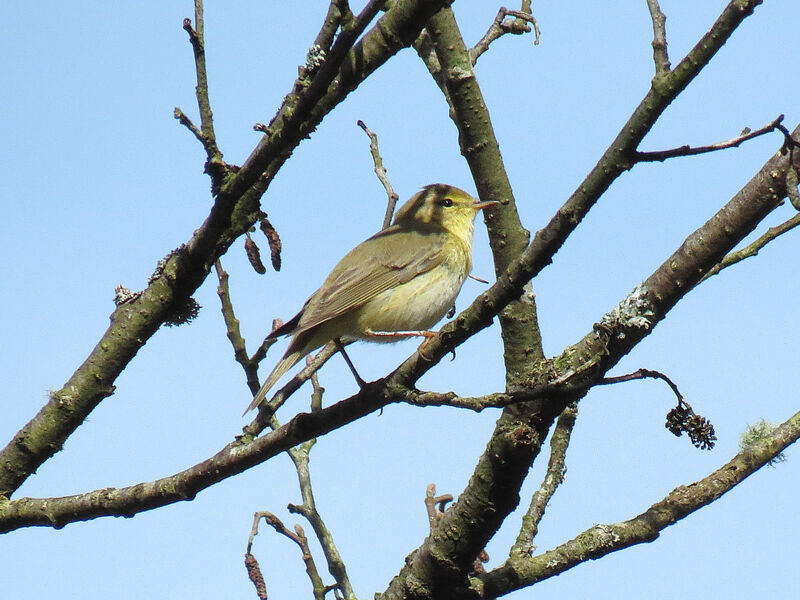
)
(481, 205)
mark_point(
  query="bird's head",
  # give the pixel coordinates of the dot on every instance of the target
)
(441, 207)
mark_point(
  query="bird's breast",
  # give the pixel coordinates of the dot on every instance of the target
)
(421, 302)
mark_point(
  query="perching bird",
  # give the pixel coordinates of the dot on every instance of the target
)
(396, 284)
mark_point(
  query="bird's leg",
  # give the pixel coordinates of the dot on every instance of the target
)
(340, 347)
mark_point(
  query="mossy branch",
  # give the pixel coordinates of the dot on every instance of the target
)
(600, 540)
(184, 270)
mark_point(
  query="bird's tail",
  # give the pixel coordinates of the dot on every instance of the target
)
(289, 360)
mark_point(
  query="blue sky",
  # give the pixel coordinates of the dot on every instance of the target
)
(101, 182)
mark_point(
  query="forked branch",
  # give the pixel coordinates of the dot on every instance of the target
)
(520, 24)
(520, 571)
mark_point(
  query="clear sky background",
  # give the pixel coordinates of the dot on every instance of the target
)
(100, 182)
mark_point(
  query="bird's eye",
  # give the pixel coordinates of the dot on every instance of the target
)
(446, 202)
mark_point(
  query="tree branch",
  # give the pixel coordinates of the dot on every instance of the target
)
(556, 469)
(507, 237)
(298, 537)
(631, 321)
(493, 492)
(249, 366)
(660, 56)
(183, 270)
(752, 249)
(519, 25)
(214, 165)
(687, 150)
(520, 571)
(380, 171)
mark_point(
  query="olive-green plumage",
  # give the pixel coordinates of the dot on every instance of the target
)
(403, 279)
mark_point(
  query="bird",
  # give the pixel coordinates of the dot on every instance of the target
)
(396, 284)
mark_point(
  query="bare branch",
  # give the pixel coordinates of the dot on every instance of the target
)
(214, 165)
(249, 366)
(753, 249)
(682, 418)
(434, 505)
(556, 469)
(687, 150)
(299, 538)
(519, 25)
(267, 409)
(380, 171)
(134, 323)
(660, 56)
(520, 571)
(316, 389)
(339, 14)
(187, 122)
(642, 374)
(308, 508)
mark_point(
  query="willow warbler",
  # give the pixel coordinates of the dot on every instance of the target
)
(395, 285)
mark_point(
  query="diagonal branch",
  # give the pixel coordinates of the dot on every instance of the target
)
(298, 537)
(671, 282)
(519, 25)
(600, 540)
(753, 249)
(444, 559)
(633, 320)
(380, 171)
(687, 150)
(185, 269)
(556, 469)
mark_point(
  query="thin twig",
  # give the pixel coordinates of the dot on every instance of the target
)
(660, 56)
(603, 539)
(339, 14)
(521, 24)
(752, 249)
(214, 163)
(261, 352)
(682, 418)
(299, 538)
(317, 389)
(687, 150)
(380, 171)
(642, 374)
(556, 469)
(434, 505)
(249, 366)
(187, 122)
(267, 409)
(300, 458)
(318, 587)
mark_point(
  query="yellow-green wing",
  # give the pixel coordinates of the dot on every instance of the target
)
(386, 260)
